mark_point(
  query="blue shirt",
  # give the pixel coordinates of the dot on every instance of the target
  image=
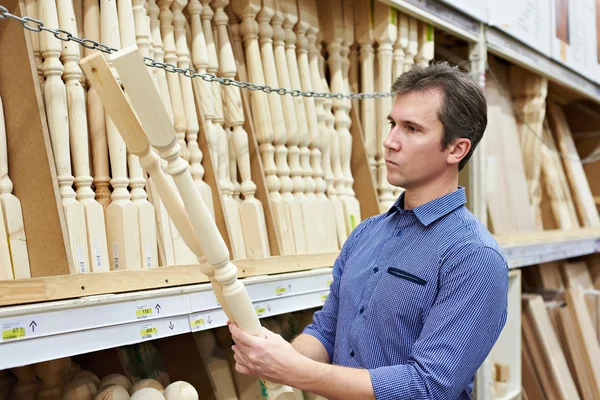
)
(419, 297)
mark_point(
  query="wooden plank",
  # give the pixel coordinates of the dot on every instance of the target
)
(22, 291)
(31, 161)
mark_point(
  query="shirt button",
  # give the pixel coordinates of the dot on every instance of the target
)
(352, 353)
(362, 310)
(375, 269)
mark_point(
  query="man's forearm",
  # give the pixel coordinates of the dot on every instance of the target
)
(332, 381)
(309, 346)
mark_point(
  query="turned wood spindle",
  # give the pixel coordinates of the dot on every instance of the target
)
(78, 132)
(58, 124)
(251, 210)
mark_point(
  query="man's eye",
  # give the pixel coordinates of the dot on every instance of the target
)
(412, 128)
(392, 124)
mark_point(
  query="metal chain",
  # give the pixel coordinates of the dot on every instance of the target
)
(36, 25)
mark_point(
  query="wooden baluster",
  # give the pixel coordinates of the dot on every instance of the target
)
(13, 248)
(385, 31)
(78, 132)
(263, 108)
(306, 30)
(189, 104)
(399, 46)
(220, 141)
(363, 25)
(95, 112)
(251, 210)
(332, 23)
(412, 48)
(165, 253)
(137, 180)
(426, 44)
(58, 124)
(123, 227)
(166, 29)
(293, 186)
(336, 188)
(32, 10)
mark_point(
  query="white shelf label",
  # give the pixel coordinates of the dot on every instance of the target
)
(282, 289)
(143, 312)
(148, 331)
(200, 322)
(13, 331)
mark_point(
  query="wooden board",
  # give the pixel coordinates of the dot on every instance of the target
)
(31, 161)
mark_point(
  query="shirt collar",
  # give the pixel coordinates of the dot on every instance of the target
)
(435, 209)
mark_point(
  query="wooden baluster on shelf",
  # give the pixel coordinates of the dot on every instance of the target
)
(166, 29)
(164, 238)
(299, 152)
(308, 63)
(426, 44)
(292, 184)
(16, 245)
(399, 46)
(95, 113)
(221, 145)
(58, 124)
(332, 24)
(385, 31)
(325, 117)
(336, 188)
(78, 133)
(412, 48)
(53, 375)
(137, 180)
(31, 7)
(258, 67)
(251, 210)
(27, 384)
(123, 226)
(528, 92)
(193, 126)
(363, 29)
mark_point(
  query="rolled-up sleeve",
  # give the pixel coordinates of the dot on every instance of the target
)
(469, 314)
(324, 322)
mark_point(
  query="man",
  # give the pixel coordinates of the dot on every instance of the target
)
(419, 295)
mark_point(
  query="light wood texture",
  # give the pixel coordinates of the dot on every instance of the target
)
(180, 391)
(216, 365)
(78, 136)
(11, 217)
(580, 188)
(32, 167)
(56, 109)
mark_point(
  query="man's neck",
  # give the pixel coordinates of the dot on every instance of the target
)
(420, 195)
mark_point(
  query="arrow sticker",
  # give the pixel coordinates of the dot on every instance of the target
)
(157, 308)
(269, 307)
(209, 320)
(32, 325)
(171, 325)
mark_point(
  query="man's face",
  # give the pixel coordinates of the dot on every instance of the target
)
(413, 152)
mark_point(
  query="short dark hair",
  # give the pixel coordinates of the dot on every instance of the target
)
(463, 112)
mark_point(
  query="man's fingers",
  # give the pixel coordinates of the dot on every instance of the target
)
(241, 337)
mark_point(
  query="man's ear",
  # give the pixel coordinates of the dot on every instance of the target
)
(458, 150)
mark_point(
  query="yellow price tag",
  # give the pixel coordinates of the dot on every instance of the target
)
(197, 322)
(14, 333)
(260, 310)
(281, 290)
(324, 297)
(147, 333)
(329, 282)
(143, 312)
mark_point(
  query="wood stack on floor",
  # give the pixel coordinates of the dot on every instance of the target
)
(560, 349)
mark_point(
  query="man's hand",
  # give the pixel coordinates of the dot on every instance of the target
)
(267, 356)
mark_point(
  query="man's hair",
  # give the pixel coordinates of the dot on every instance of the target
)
(463, 111)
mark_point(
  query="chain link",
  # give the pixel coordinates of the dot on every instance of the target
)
(35, 25)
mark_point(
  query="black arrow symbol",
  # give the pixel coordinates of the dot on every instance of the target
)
(290, 287)
(32, 325)
(171, 326)
(157, 308)
(269, 307)
(209, 320)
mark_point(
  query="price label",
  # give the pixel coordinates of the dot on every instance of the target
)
(329, 282)
(12, 331)
(281, 290)
(324, 297)
(148, 332)
(197, 323)
(260, 311)
(142, 312)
